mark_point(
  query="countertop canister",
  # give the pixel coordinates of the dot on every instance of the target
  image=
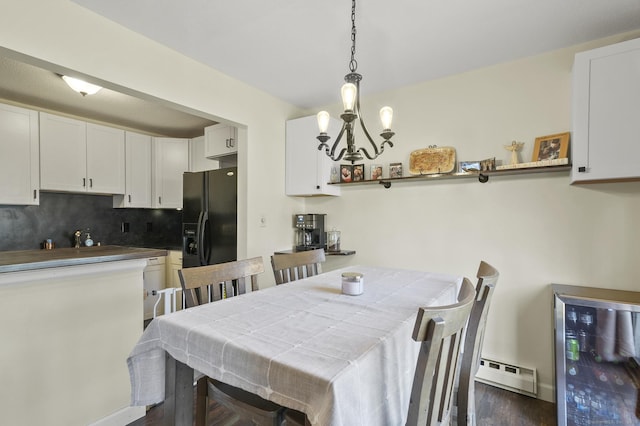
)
(352, 283)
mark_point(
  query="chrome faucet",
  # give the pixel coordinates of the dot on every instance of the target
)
(77, 234)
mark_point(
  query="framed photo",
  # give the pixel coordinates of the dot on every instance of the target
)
(346, 173)
(335, 174)
(468, 166)
(395, 170)
(375, 172)
(358, 172)
(551, 147)
(488, 164)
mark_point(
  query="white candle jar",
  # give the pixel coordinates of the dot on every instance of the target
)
(352, 283)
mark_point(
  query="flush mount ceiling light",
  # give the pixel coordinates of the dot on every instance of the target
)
(351, 101)
(80, 86)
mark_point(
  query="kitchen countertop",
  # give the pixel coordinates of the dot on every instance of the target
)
(27, 260)
(326, 253)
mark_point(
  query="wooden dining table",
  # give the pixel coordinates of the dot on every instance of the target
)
(341, 359)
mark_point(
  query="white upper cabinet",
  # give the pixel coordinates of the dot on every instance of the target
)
(137, 173)
(80, 157)
(198, 162)
(63, 153)
(105, 159)
(308, 170)
(170, 161)
(220, 140)
(19, 156)
(606, 110)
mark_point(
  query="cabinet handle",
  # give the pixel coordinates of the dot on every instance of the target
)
(129, 197)
(232, 143)
(35, 194)
(160, 200)
(582, 169)
(91, 183)
(226, 143)
(84, 182)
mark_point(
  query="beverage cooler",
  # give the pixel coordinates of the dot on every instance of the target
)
(597, 350)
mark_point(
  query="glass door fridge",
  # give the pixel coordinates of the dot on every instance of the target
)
(597, 350)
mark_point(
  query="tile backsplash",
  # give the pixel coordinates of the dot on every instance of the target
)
(59, 215)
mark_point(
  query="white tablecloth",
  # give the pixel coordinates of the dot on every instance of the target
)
(344, 360)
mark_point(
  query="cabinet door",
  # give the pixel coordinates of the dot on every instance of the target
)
(63, 154)
(606, 110)
(20, 155)
(105, 160)
(220, 140)
(174, 264)
(170, 161)
(307, 168)
(198, 162)
(137, 172)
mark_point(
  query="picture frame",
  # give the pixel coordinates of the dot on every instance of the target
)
(468, 166)
(346, 173)
(358, 172)
(488, 164)
(551, 147)
(395, 170)
(335, 174)
(375, 172)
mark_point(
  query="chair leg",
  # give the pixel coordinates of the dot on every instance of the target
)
(201, 402)
(471, 405)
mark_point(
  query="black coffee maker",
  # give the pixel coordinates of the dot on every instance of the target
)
(310, 233)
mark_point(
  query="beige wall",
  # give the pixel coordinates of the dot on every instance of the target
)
(536, 229)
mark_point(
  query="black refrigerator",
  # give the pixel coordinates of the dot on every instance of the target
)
(209, 217)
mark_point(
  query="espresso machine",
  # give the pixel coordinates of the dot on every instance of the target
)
(310, 232)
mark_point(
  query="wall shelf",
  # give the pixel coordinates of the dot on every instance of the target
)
(481, 176)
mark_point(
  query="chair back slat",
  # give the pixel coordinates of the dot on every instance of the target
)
(298, 265)
(439, 329)
(204, 284)
(465, 402)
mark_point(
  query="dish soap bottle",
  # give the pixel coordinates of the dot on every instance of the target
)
(88, 242)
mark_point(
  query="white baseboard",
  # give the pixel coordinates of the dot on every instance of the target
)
(547, 392)
(122, 417)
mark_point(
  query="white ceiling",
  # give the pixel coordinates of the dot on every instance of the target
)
(299, 50)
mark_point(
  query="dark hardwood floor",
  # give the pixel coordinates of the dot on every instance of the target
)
(494, 407)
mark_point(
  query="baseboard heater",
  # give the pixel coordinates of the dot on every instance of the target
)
(508, 376)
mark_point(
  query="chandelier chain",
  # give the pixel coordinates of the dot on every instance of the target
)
(353, 64)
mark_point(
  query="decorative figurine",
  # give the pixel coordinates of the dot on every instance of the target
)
(514, 148)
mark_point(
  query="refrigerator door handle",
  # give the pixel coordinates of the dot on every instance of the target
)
(200, 238)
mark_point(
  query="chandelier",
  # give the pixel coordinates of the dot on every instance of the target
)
(351, 101)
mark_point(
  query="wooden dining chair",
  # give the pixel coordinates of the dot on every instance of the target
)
(440, 330)
(205, 284)
(465, 412)
(298, 265)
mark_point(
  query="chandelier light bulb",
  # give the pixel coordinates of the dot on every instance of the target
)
(386, 116)
(323, 121)
(349, 92)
